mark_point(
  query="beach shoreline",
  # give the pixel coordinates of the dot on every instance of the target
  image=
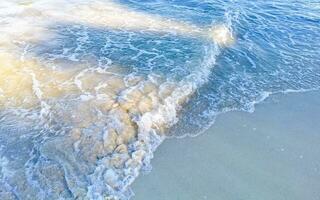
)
(272, 153)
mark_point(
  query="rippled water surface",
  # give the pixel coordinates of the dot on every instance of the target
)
(90, 88)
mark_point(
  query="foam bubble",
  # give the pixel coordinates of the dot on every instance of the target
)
(106, 123)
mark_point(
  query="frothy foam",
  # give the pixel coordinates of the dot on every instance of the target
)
(116, 120)
(109, 122)
(109, 14)
(222, 35)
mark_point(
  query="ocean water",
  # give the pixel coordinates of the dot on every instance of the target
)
(90, 88)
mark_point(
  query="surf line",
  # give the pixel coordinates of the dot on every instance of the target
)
(138, 109)
(109, 14)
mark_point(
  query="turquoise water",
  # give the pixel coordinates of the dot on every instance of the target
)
(95, 97)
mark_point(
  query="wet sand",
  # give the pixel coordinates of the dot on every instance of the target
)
(271, 154)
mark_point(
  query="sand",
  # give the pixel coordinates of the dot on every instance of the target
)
(270, 154)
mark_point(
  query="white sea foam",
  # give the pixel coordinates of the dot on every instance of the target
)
(105, 14)
(109, 122)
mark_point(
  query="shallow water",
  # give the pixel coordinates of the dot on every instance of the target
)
(270, 154)
(89, 89)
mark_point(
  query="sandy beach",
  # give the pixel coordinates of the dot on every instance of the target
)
(270, 154)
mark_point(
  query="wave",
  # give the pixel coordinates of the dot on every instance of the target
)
(111, 122)
(90, 89)
(93, 129)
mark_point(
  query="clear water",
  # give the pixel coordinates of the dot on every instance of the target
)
(85, 101)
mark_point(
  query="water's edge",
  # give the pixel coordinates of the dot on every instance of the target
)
(275, 134)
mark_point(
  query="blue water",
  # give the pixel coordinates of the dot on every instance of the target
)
(276, 50)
